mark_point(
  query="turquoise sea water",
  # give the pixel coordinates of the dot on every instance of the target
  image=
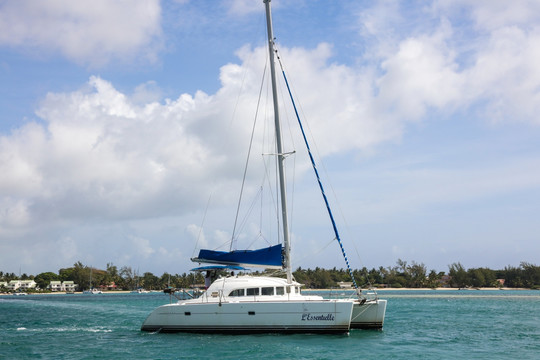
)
(470, 324)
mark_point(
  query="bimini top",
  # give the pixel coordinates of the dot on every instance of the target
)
(270, 257)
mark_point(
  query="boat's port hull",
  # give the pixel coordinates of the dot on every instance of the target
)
(327, 316)
(369, 314)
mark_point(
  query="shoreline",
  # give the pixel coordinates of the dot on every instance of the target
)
(77, 292)
(310, 290)
(421, 289)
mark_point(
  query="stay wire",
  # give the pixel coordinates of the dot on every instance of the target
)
(320, 185)
(247, 160)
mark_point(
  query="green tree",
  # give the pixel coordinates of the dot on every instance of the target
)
(459, 275)
(78, 273)
(44, 279)
(417, 275)
(531, 275)
(128, 278)
(433, 279)
(149, 281)
(512, 276)
(165, 280)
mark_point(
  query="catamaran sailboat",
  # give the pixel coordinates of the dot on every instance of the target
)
(255, 304)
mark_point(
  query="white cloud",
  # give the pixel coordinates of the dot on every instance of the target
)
(142, 246)
(98, 155)
(484, 60)
(421, 74)
(244, 7)
(490, 15)
(506, 75)
(89, 32)
(248, 7)
(68, 249)
(14, 213)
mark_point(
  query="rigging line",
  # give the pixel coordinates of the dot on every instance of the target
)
(273, 197)
(290, 195)
(325, 171)
(286, 113)
(259, 236)
(247, 160)
(261, 212)
(244, 75)
(202, 226)
(320, 184)
(250, 210)
(328, 183)
(316, 252)
(272, 182)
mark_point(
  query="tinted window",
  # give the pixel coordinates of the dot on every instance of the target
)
(253, 291)
(267, 291)
(237, 292)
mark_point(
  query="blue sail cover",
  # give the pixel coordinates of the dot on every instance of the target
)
(218, 267)
(269, 257)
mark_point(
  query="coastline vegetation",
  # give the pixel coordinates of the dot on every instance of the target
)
(402, 275)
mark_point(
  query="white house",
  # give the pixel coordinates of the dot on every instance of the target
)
(55, 286)
(62, 286)
(21, 285)
(69, 286)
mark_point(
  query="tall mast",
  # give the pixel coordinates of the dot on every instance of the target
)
(279, 148)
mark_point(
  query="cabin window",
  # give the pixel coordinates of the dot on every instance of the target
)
(280, 290)
(238, 292)
(298, 290)
(253, 291)
(268, 291)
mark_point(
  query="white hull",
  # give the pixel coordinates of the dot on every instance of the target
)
(140, 291)
(92, 292)
(368, 315)
(218, 310)
(332, 316)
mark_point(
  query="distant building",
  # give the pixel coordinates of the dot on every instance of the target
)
(21, 285)
(445, 281)
(62, 286)
(344, 285)
(55, 286)
(108, 287)
(69, 286)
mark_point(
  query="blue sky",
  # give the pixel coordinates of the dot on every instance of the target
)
(119, 121)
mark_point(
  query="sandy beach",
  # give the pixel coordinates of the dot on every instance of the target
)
(314, 290)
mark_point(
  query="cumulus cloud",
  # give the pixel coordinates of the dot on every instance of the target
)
(489, 62)
(142, 246)
(89, 32)
(99, 155)
(244, 7)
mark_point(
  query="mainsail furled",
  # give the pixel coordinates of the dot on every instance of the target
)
(270, 257)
